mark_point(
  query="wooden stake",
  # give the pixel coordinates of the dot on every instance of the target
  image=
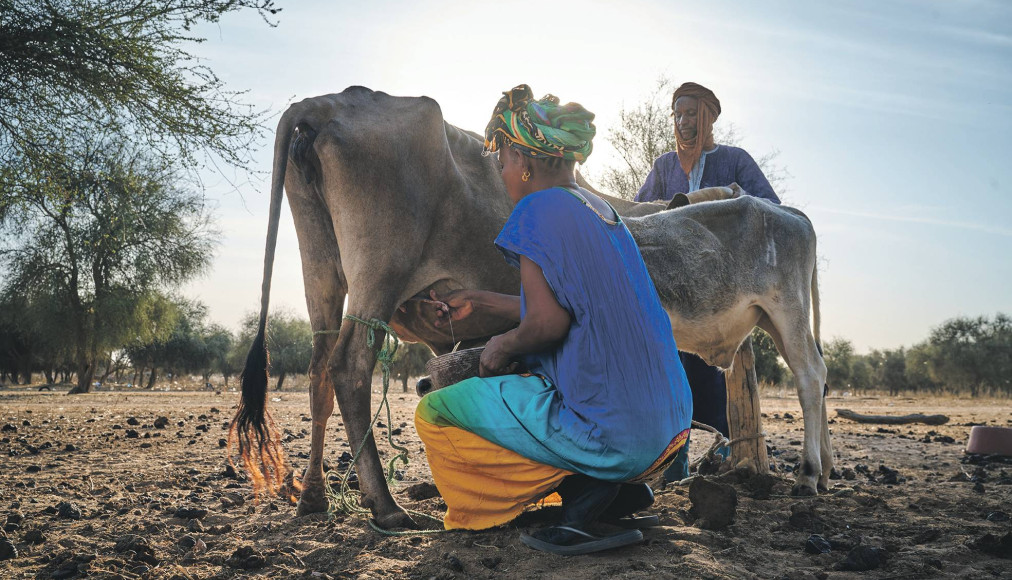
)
(743, 418)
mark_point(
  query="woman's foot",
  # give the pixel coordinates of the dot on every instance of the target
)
(631, 498)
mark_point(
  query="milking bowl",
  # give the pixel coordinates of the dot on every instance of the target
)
(452, 368)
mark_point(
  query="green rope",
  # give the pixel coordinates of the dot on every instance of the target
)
(345, 499)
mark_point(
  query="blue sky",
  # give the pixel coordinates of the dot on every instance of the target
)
(893, 118)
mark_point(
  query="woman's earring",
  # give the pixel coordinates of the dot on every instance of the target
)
(525, 176)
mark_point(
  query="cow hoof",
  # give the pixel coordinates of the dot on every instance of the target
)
(823, 487)
(800, 490)
(398, 519)
(312, 501)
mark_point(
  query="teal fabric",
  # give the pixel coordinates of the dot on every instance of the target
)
(612, 396)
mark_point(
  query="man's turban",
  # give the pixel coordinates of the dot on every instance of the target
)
(707, 111)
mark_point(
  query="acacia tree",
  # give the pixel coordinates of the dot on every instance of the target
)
(290, 343)
(973, 352)
(121, 65)
(99, 232)
(645, 131)
(219, 342)
(767, 359)
(409, 361)
(838, 354)
(34, 336)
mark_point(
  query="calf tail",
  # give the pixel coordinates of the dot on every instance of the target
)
(253, 426)
(816, 313)
(817, 319)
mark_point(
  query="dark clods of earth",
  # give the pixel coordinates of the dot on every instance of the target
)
(137, 485)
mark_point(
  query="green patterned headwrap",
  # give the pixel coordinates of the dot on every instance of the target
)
(541, 129)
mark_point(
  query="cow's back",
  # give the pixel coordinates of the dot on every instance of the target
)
(705, 258)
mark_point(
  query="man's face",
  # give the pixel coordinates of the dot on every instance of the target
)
(686, 109)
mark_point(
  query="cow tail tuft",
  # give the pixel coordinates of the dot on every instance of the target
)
(253, 426)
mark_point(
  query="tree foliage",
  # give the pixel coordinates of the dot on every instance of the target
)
(768, 368)
(289, 342)
(121, 65)
(94, 236)
(409, 361)
(838, 355)
(646, 130)
(974, 352)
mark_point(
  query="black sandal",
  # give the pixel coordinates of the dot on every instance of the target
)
(569, 541)
(634, 522)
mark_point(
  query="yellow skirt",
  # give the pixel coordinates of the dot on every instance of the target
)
(485, 485)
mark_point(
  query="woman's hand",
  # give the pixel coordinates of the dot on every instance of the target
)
(453, 306)
(495, 359)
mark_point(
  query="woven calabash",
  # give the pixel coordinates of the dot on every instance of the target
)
(454, 367)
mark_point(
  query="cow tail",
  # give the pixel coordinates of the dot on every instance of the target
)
(253, 426)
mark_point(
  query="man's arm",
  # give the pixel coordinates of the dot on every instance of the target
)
(750, 177)
(653, 187)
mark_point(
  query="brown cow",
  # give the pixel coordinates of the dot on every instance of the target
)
(390, 202)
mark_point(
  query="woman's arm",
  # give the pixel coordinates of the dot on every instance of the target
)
(460, 304)
(545, 324)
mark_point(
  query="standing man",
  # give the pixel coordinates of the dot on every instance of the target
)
(698, 163)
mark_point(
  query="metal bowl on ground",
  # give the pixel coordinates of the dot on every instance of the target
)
(454, 367)
(990, 441)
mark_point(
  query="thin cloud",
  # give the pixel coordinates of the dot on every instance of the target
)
(988, 229)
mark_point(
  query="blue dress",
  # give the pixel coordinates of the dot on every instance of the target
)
(612, 397)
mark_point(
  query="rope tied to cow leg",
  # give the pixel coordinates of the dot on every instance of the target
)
(719, 441)
(342, 499)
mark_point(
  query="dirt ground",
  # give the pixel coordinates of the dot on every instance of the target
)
(91, 486)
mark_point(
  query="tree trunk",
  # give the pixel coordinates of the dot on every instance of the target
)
(108, 371)
(50, 379)
(743, 418)
(85, 374)
(224, 376)
(404, 383)
(281, 379)
(151, 378)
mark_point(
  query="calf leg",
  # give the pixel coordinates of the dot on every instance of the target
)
(826, 449)
(803, 358)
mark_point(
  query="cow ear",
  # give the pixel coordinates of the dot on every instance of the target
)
(680, 200)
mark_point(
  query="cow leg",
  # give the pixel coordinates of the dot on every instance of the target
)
(803, 358)
(326, 289)
(351, 367)
(321, 403)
